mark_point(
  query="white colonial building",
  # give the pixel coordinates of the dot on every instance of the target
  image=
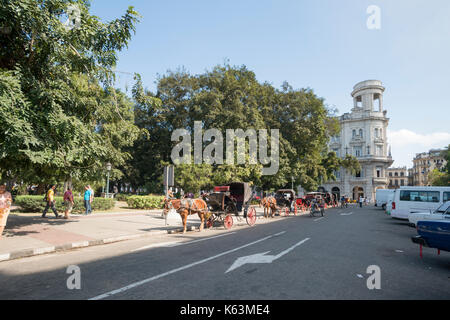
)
(363, 135)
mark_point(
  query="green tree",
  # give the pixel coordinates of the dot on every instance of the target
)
(228, 97)
(62, 117)
(441, 177)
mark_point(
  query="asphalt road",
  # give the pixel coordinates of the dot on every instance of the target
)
(304, 258)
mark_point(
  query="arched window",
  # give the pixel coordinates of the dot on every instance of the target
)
(381, 133)
(354, 133)
(360, 133)
(376, 132)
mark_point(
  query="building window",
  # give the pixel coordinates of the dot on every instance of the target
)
(390, 174)
(378, 172)
(376, 132)
(360, 133)
(379, 151)
(354, 133)
(402, 182)
(358, 151)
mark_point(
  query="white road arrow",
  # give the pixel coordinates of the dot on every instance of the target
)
(262, 257)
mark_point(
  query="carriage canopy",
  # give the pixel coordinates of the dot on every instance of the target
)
(282, 192)
(241, 191)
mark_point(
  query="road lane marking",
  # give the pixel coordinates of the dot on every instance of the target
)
(346, 214)
(262, 257)
(319, 219)
(140, 283)
(156, 245)
(200, 240)
(178, 243)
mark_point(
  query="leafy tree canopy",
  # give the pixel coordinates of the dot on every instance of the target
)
(60, 116)
(230, 97)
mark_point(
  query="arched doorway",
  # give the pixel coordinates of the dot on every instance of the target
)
(358, 192)
(337, 192)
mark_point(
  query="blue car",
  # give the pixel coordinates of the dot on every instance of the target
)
(433, 234)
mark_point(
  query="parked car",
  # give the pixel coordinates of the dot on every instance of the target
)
(441, 213)
(409, 200)
(381, 197)
(433, 234)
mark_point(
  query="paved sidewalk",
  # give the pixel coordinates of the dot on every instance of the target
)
(29, 234)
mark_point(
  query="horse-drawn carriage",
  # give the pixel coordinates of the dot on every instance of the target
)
(230, 200)
(286, 201)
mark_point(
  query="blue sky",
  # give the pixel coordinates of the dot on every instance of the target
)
(321, 44)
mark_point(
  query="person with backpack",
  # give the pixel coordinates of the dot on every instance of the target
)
(50, 201)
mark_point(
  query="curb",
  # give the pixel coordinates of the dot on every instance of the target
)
(74, 245)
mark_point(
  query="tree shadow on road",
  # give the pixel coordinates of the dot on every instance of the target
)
(22, 225)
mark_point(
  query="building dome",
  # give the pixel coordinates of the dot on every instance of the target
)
(368, 95)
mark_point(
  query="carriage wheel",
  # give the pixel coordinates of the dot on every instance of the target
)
(251, 217)
(228, 221)
(210, 222)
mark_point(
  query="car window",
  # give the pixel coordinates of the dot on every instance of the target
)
(443, 208)
(446, 196)
(433, 196)
(420, 196)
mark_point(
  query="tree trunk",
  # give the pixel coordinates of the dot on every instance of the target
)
(41, 188)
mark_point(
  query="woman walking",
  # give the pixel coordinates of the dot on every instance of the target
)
(68, 202)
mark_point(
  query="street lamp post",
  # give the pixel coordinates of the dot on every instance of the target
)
(108, 169)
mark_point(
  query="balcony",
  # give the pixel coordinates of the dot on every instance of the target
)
(357, 138)
(357, 180)
(380, 180)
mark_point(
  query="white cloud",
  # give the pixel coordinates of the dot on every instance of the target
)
(406, 143)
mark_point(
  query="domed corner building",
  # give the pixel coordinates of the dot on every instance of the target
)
(363, 135)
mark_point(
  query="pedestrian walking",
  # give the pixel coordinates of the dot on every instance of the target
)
(68, 202)
(5, 204)
(50, 200)
(361, 200)
(88, 197)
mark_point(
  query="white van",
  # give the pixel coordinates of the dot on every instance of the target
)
(418, 199)
(381, 197)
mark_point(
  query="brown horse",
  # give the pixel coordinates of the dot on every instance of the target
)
(186, 207)
(269, 203)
